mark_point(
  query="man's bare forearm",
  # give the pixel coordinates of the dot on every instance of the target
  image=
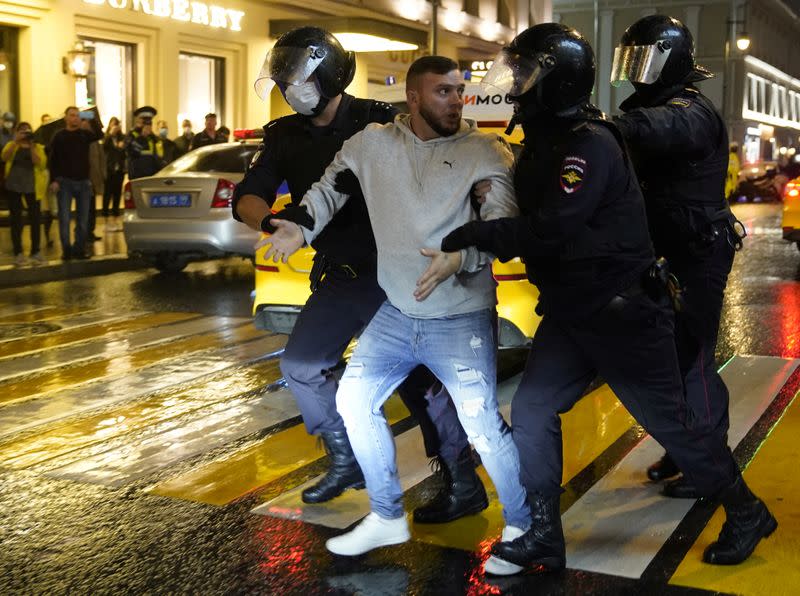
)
(252, 210)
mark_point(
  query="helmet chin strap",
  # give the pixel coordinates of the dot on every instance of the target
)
(320, 107)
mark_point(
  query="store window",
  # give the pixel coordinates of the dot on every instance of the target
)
(9, 92)
(201, 89)
(109, 85)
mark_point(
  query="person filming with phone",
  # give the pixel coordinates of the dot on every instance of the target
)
(26, 184)
(69, 172)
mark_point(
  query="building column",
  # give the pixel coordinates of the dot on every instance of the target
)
(541, 11)
(692, 21)
(604, 56)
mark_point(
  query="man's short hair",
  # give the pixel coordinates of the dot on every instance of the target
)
(210, 115)
(70, 108)
(435, 64)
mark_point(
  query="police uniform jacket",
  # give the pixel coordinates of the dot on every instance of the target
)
(679, 146)
(298, 152)
(145, 154)
(583, 230)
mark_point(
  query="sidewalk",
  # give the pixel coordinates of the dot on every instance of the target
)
(109, 255)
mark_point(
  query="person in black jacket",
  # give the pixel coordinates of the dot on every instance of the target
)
(679, 147)
(69, 174)
(604, 305)
(312, 70)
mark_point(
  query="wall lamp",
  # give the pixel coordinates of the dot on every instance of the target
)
(359, 34)
(77, 61)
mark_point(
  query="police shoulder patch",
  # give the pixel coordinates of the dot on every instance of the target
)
(573, 173)
(679, 102)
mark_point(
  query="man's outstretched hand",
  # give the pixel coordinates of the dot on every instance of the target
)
(287, 239)
(442, 266)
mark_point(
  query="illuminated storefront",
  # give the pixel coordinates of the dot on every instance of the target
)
(190, 57)
(770, 111)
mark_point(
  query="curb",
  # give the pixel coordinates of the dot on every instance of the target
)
(58, 270)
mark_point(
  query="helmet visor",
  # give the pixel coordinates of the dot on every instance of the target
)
(288, 66)
(638, 64)
(514, 74)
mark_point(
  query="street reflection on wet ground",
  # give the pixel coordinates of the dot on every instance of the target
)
(136, 408)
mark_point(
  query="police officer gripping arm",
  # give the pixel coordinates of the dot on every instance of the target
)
(311, 69)
(679, 146)
(585, 243)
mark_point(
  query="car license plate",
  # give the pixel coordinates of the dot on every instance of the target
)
(171, 200)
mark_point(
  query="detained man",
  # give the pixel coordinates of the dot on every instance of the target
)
(416, 174)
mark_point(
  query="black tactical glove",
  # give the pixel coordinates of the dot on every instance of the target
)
(474, 233)
(347, 183)
(293, 213)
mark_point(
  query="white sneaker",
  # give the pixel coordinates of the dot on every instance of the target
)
(38, 259)
(496, 565)
(20, 260)
(372, 532)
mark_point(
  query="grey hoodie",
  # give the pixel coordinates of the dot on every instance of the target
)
(416, 193)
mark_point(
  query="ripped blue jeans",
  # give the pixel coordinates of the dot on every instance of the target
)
(461, 352)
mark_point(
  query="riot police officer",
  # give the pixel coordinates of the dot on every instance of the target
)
(585, 243)
(311, 69)
(679, 146)
(144, 150)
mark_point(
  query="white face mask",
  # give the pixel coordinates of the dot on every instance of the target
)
(303, 97)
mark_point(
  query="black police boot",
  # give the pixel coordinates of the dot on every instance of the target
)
(342, 474)
(663, 469)
(748, 521)
(462, 492)
(680, 488)
(542, 545)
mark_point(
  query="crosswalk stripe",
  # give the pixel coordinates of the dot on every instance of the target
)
(63, 442)
(618, 526)
(168, 444)
(39, 362)
(15, 332)
(774, 568)
(158, 377)
(66, 336)
(223, 481)
(10, 310)
(53, 382)
(44, 313)
(593, 432)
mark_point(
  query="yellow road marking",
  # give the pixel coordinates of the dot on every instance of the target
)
(60, 379)
(223, 481)
(589, 428)
(87, 332)
(135, 417)
(43, 314)
(774, 567)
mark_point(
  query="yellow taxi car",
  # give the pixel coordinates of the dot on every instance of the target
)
(281, 290)
(791, 212)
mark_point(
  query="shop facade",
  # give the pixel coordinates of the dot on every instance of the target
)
(190, 57)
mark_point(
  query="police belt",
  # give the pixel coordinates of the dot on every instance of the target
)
(324, 265)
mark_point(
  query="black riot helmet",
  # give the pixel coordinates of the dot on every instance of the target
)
(656, 50)
(304, 51)
(546, 68)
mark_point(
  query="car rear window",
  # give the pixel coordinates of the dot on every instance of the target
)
(220, 158)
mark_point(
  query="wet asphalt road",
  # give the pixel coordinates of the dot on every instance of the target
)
(59, 536)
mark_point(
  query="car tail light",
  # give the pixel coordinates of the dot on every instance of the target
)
(792, 190)
(127, 196)
(248, 133)
(223, 195)
(269, 268)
